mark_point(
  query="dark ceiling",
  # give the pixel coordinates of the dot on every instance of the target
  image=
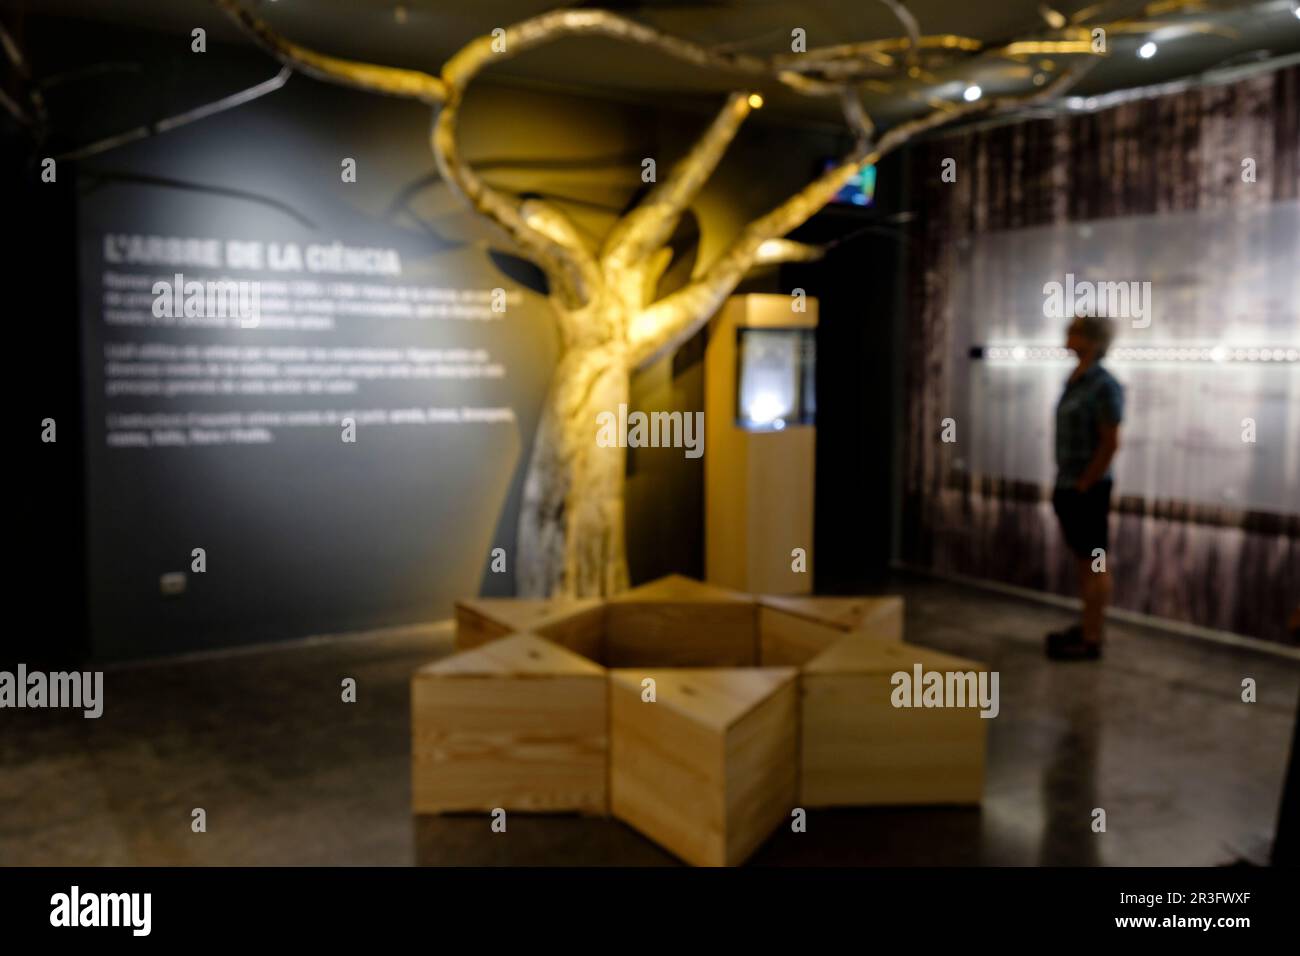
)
(424, 33)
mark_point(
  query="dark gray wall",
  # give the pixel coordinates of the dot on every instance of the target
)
(308, 533)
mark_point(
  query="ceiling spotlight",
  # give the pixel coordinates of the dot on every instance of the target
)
(1147, 50)
(1295, 8)
(1040, 79)
(755, 101)
(972, 93)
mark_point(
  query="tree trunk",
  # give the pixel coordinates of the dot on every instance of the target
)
(571, 537)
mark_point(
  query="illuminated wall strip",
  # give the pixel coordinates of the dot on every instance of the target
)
(1219, 354)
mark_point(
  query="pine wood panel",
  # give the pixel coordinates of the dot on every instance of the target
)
(793, 630)
(576, 624)
(708, 769)
(518, 723)
(858, 749)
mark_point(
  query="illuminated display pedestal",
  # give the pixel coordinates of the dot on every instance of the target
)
(701, 717)
(758, 472)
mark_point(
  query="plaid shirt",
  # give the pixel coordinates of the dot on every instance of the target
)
(1091, 400)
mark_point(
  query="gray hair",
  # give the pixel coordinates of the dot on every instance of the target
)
(1097, 329)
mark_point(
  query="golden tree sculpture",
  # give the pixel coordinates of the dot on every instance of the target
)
(571, 525)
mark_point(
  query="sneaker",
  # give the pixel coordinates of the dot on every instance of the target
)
(1069, 645)
(1071, 634)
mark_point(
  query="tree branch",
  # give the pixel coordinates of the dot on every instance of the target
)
(676, 317)
(847, 61)
(909, 23)
(389, 80)
(37, 117)
(651, 224)
(546, 27)
(16, 111)
(864, 130)
(569, 268)
(541, 230)
(546, 235)
(777, 251)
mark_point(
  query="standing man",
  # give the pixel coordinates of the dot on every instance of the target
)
(1087, 437)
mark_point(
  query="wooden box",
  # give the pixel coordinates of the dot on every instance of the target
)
(578, 624)
(518, 723)
(859, 749)
(710, 768)
(794, 630)
(678, 622)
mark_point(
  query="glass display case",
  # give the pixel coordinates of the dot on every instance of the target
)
(775, 378)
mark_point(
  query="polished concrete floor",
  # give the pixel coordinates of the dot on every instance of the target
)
(1156, 734)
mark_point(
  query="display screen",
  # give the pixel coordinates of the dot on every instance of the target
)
(860, 190)
(775, 378)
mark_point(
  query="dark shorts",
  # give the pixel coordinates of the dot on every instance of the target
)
(1083, 516)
